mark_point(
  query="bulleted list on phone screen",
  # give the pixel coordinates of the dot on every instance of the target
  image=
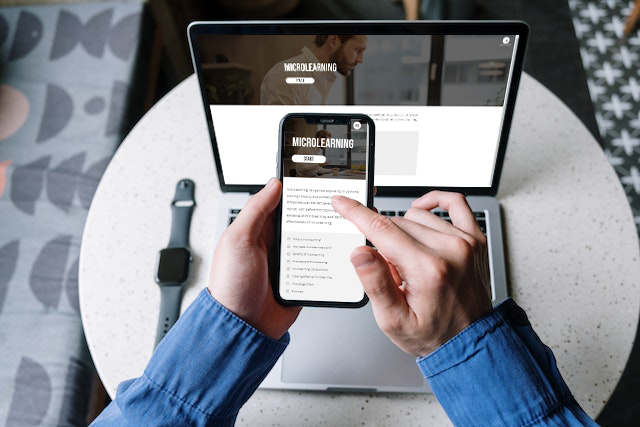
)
(317, 242)
(314, 269)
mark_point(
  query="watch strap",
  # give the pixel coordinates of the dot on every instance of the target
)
(171, 295)
(170, 299)
(181, 210)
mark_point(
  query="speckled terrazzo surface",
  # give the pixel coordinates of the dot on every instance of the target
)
(572, 250)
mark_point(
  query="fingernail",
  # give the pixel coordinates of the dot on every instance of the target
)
(362, 259)
(270, 183)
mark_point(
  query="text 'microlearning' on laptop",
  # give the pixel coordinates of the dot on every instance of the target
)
(441, 95)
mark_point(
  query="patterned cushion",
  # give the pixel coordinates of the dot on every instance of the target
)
(611, 64)
(64, 80)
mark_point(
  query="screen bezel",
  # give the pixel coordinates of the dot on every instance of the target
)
(315, 118)
(518, 28)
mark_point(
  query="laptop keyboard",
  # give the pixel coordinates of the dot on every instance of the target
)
(233, 213)
(480, 216)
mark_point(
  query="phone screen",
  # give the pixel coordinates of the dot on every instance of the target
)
(319, 160)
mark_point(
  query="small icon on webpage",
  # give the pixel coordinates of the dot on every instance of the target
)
(506, 40)
(356, 125)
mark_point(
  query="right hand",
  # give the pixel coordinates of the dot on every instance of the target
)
(429, 279)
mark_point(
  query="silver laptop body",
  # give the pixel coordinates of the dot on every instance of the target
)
(464, 66)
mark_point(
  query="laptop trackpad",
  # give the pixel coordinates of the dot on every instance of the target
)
(345, 347)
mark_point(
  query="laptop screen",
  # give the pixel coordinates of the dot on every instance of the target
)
(441, 95)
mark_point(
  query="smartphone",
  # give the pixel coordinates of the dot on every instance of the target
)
(320, 155)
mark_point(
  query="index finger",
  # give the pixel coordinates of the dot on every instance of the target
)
(394, 243)
(455, 204)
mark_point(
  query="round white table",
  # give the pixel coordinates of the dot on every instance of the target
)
(572, 256)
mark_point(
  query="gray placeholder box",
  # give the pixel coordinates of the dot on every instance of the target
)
(396, 153)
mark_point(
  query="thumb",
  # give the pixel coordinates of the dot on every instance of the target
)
(376, 277)
(257, 210)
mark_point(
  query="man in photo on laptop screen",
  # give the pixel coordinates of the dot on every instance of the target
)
(437, 100)
(287, 82)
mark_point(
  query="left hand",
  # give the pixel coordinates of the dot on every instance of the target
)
(239, 277)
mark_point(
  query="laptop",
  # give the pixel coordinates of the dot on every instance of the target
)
(442, 96)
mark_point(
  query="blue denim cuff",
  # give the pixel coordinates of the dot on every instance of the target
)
(211, 360)
(498, 371)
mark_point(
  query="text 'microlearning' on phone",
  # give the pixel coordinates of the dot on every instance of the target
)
(322, 156)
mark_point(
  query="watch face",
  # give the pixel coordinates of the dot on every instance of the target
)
(173, 266)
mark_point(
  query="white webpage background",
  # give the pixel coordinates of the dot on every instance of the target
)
(356, 188)
(457, 145)
(339, 236)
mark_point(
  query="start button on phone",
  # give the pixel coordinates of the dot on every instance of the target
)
(305, 158)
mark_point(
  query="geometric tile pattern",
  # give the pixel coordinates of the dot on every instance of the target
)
(611, 65)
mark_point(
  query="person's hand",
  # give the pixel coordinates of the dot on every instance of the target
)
(239, 277)
(429, 279)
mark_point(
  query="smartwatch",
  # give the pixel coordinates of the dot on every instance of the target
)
(173, 262)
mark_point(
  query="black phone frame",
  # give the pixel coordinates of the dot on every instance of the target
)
(274, 261)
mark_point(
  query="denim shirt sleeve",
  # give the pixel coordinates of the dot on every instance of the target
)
(201, 373)
(497, 372)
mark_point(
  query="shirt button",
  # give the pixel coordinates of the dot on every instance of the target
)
(518, 316)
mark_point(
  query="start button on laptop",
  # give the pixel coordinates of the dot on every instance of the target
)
(300, 80)
(300, 158)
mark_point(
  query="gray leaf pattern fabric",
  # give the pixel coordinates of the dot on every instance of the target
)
(94, 105)
(66, 72)
(8, 260)
(58, 109)
(27, 184)
(71, 285)
(117, 109)
(27, 37)
(48, 271)
(123, 37)
(87, 187)
(31, 395)
(63, 180)
(70, 32)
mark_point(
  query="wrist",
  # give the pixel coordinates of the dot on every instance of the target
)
(457, 323)
(257, 316)
(496, 370)
(230, 361)
(243, 318)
